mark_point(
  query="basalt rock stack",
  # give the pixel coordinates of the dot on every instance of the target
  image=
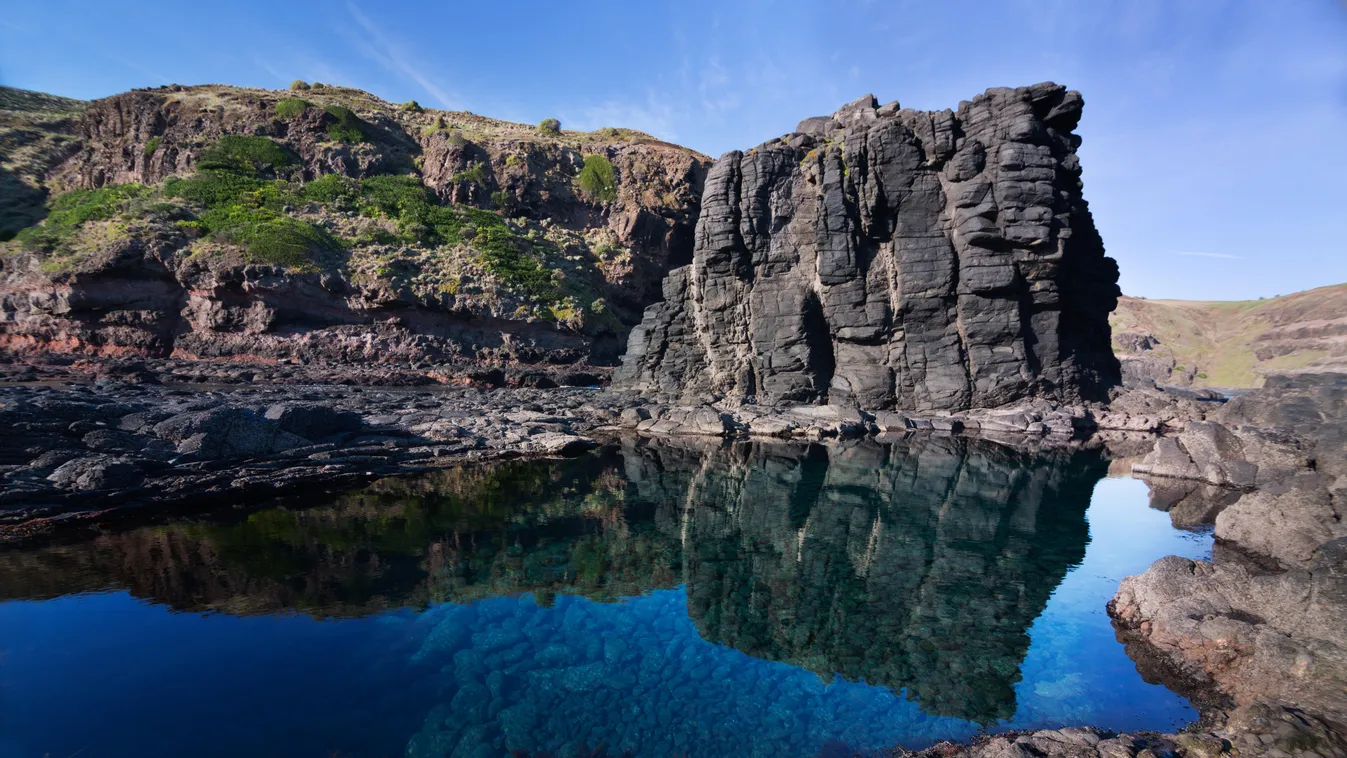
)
(891, 258)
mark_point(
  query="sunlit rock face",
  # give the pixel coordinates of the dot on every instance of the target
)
(917, 566)
(891, 258)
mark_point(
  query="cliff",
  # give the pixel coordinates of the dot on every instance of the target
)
(891, 258)
(326, 225)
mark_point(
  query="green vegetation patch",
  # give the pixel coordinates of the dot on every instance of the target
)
(348, 126)
(550, 127)
(597, 180)
(246, 155)
(292, 107)
(510, 258)
(501, 250)
(266, 236)
(476, 173)
(152, 144)
(331, 189)
(68, 211)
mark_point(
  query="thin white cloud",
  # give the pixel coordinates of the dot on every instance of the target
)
(137, 67)
(655, 117)
(387, 53)
(267, 67)
(1212, 255)
(718, 96)
(10, 25)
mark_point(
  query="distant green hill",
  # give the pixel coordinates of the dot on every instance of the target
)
(1232, 344)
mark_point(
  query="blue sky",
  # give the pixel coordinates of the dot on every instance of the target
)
(1215, 132)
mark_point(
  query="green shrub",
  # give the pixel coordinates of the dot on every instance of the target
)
(213, 188)
(411, 106)
(410, 202)
(331, 189)
(152, 144)
(246, 155)
(266, 236)
(299, 84)
(319, 85)
(292, 107)
(502, 199)
(68, 211)
(348, 126)
(393, 195)
(476, 173)
(549, 126)
(510, 258)
(596, 179)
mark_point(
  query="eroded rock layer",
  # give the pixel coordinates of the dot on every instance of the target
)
(892, 258)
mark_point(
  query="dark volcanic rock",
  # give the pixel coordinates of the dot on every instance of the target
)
(226, 433)
(313, 421)
(891, 258)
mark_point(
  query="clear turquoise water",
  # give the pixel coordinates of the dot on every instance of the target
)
(656, 600)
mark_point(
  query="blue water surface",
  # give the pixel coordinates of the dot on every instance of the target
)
(742, 600)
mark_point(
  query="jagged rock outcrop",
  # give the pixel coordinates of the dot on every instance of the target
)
(892, 258)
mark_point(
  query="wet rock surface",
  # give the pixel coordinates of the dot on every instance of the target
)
(892, 259)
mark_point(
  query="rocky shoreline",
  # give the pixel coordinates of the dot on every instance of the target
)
(95, 438)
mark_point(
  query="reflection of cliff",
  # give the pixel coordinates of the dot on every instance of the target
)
(920, 565)
(459, 534)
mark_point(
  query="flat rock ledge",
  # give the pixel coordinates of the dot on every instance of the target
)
(80, 453)
(1143, 411)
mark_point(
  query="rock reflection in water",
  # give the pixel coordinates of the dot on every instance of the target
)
(918, 565)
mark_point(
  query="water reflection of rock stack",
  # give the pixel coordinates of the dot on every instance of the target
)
(917, 566)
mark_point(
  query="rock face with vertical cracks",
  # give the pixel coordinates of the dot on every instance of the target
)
(892, 258)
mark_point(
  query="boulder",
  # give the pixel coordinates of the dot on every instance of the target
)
(1253, 634)
(313, 421)
(226, 432)
(557, 443)
(1287, 521)
(98, 472)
